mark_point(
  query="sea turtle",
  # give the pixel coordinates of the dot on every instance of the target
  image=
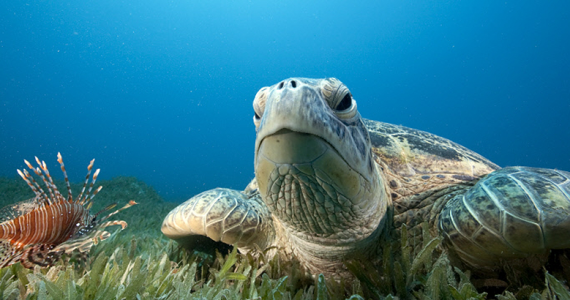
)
(329, 185)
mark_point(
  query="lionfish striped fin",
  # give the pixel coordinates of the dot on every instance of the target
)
(58, 196)
(32, 184)
(39, 172)
(41, 197)
(49, 199)
(113, 223)
(39, 254)
(106, 208)
(83, 243)
(88, 201)
(43, 255)
(89, 167)
(69, 194)
(87, 197)
(111, 206)
(131, 203)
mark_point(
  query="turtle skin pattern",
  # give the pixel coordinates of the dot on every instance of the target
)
(226, 215)
(511, 213)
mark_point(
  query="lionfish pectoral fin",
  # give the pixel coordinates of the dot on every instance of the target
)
(100, 236)
(108, 207)
(29, 256)
(131, 203)
(41, 255)
(9, 254)
(80, 244)
(112, 223)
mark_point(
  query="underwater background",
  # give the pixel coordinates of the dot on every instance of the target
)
(163, 90)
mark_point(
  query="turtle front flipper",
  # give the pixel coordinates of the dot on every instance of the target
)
(225, 215)
(512, 213)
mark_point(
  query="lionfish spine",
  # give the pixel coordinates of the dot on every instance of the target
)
(60, 161)
(131, 203)
(37, 171)
(43, 166)
(51, 197)
(89, 167)
(26, 176)
(86, 197)
(88, 201)
(41, 196)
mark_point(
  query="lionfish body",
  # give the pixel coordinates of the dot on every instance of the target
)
(33, 227)
(39, 230)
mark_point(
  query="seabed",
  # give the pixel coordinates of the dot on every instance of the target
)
(140, 263)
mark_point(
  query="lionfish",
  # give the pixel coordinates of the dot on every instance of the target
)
(39, 230)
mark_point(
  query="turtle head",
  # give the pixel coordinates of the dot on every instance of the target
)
(314, 163)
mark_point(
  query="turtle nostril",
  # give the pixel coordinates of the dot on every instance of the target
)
(293, 84)
(280, 85)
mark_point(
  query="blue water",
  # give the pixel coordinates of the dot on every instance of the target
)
(162, 90)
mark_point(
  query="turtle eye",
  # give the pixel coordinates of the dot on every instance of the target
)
(345, 103)
(256, 119)
(259, 105)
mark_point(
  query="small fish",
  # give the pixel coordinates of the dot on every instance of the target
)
(39, 230)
